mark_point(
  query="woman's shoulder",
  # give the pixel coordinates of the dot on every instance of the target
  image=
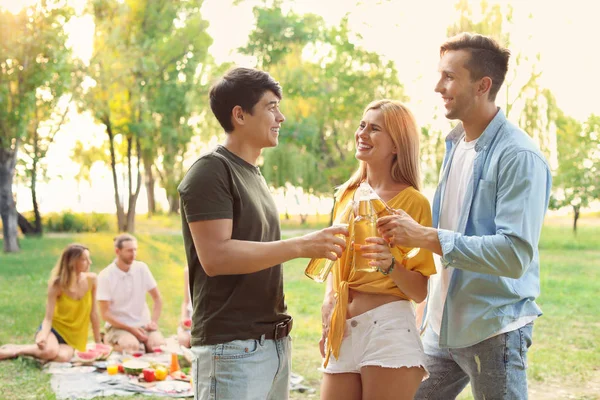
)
(54, 288)
(91, 277)
(412, 197)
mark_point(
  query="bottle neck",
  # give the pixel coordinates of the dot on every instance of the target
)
(365, 208)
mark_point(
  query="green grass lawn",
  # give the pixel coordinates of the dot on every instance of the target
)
(565, 351)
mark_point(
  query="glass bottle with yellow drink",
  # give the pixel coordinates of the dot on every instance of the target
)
(370, 208)
(365, 225)
(318, 268)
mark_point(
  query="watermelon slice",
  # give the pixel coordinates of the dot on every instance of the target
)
(86, 357)
(103, 350)
(135, 367)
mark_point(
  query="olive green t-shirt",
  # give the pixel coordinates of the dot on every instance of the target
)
(221, 185)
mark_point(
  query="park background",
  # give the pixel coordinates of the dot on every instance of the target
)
(103, 108)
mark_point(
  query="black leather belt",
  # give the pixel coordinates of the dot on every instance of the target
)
(280, 330)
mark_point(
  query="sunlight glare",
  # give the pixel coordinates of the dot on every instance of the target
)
(15, 6)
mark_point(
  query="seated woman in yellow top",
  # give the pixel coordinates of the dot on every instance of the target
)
(368, 318)
(69, 309)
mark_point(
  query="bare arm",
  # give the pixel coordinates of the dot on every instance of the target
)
(186, 296)
(326, 310)
(420, 313)
(94, 314)
(412, 283)
(107, 316)
(219, 254)
(42, 336)
(157, 304)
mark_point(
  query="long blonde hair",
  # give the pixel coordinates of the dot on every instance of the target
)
(402, 127)
(64, 274)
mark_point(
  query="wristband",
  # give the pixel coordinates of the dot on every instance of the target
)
(390, 268)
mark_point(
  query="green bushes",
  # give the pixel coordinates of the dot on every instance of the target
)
(68, 221)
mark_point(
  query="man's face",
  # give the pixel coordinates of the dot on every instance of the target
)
(455, 85)
(264, 122)
(127, 252)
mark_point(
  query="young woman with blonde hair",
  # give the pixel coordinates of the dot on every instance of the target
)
(69, 309)
(368, 318)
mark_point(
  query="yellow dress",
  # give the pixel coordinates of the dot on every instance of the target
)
(72, 318)
(344, 277)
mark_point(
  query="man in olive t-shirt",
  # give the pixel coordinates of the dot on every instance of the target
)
(232, 241)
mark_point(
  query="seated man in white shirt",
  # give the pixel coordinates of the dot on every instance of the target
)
(122, 288)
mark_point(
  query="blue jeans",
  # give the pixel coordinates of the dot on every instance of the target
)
(496, 367)
(243, 369)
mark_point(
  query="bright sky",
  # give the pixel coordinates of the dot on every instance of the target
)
(408, 32)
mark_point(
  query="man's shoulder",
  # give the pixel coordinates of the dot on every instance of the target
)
(210, 163)
(139, 266)
(107, 271)
(515, 140)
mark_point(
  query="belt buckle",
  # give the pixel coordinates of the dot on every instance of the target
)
(282, 329)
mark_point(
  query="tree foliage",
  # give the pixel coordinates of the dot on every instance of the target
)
(35, 65)
(577, 179)
(145, 66)
(327, 81)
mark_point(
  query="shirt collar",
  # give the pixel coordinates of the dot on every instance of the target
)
(120, 273)
(486, 137)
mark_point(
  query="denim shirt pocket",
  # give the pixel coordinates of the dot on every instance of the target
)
(483, 208)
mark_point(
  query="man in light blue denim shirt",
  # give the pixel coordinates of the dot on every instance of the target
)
(488, 212)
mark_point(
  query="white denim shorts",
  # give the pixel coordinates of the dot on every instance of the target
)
(385, 336)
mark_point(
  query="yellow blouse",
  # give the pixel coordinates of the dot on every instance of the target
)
(72, 318)
(344, 277)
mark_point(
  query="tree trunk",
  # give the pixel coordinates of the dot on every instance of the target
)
(303, 218)
(8, 211)
(133, 196)
(287, 213)
(121, 222)
(36, 208)
(173, 204)
(25, 225)
(575, 218)
(150, 183)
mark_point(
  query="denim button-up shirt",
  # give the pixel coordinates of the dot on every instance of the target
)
(495, 248)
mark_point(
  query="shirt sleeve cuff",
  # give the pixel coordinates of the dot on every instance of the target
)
(446, 239)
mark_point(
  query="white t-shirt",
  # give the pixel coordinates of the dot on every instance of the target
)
(461, 172)
(126, 292)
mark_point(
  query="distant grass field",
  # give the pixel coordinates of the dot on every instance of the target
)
(565, 355)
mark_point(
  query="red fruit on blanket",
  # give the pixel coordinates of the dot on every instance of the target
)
(149, 375)
(103, 350)
(86, 357)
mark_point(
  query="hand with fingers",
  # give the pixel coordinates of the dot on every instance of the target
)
(400, 229)
(41, 341)
(151, 326)
(140, 334)
(326, 310)
(378, 251)
(325, 243)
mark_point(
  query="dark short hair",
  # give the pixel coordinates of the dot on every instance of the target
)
(242, 87)
(488, 58)
(122, 238)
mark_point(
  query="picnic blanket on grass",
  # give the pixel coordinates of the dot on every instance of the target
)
(88, 382)
(70, 381)
(93, 384)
